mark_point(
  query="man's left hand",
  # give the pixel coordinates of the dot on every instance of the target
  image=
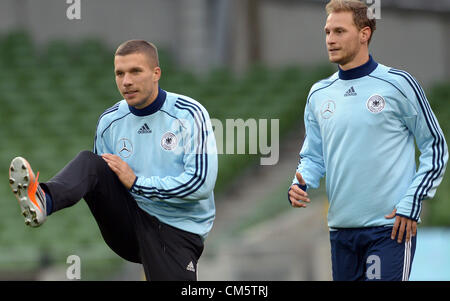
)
(401, 225)
(121, 169)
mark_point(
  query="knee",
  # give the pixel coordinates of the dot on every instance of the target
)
(92, 163)
(88, 156)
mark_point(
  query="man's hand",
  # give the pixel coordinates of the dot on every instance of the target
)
(401, 224)
(121, 169)
(296, 195)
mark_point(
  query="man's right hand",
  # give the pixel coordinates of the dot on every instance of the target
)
(297, 196)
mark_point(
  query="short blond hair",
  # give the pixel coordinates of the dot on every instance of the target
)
(359, 10)
(139, 46)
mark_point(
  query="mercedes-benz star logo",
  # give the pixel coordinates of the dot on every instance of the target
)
(124, 148)
(327, 109)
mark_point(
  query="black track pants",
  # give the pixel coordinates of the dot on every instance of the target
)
(167, 253)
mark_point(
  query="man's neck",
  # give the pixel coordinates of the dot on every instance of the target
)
(360, 59)
(150, 100)
(153, 107)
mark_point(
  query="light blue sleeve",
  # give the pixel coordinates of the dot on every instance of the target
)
(422, 123)
(101, 144)
(100, 140)
(198, 179)
(311, 164)
(98, 143)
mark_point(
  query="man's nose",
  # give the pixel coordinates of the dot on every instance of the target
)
(127, 80)
(330, 39)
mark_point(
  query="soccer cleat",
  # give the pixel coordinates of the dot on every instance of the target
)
(30, 195)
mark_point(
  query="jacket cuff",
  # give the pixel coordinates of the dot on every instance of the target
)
(407, 209)
(408, 217)
(302, 187)
(133, 187)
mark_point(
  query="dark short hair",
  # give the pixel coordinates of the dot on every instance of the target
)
(359, 10)
(139, 46)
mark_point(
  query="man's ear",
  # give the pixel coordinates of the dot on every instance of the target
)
(365, 35)
(156, 73)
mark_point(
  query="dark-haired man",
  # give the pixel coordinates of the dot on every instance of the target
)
(149, 181)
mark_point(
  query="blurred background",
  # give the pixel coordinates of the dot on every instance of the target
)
(240, 59)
